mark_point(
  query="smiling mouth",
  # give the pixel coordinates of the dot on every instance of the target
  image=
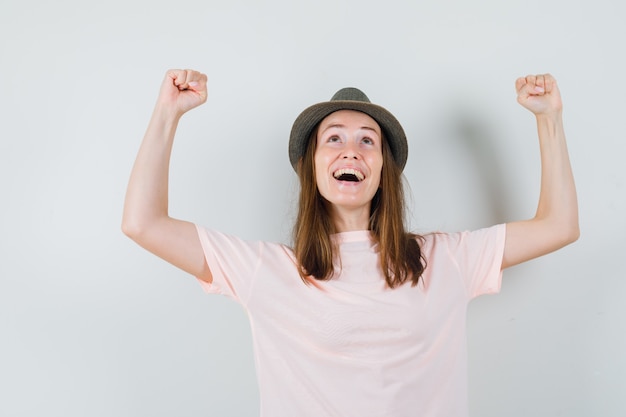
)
(349, 174)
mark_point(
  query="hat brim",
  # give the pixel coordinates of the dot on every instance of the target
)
(307, 120)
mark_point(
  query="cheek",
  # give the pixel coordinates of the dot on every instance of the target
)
(377, 168)
(378, 181)
(321, 162)
(317, 166)
(319, 170)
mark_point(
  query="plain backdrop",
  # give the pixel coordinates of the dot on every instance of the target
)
(92, 325)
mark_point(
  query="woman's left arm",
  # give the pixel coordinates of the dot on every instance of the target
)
(555, 224)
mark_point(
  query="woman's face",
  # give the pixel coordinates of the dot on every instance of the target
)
(348, 159)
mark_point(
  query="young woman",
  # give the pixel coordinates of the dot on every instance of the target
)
(360, 317)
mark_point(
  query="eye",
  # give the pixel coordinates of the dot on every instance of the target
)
(334, 139)
(367, 141)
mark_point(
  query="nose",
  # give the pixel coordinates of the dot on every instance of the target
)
(350, 151)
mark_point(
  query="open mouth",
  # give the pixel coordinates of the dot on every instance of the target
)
(348, 174)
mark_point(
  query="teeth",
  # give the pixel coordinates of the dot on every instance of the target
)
(349, 171)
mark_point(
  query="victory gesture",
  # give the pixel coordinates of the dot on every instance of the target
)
(539, 94)
(349, 237)
(182, 90)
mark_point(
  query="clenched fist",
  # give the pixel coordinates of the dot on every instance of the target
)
(182, 90)
(539, 94)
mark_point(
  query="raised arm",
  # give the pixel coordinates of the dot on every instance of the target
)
(146, 219)
(556, 221)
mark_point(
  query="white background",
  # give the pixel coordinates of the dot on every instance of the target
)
(92, 325)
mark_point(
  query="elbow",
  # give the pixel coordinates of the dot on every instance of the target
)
(570, 234)
(574, 233)
(564, 229)
(572, 224)
(128, 228)
(141, 228)
(132, 228)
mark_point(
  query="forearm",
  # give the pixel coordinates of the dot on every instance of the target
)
(557, 199)
(147, 192)
(556, 221)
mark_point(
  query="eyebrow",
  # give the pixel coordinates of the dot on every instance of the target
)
(339, 125)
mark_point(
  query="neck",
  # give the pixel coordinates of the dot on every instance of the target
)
(350, 220)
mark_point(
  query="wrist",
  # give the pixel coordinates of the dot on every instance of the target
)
(166, 114)
(554, 117)
(550, 124)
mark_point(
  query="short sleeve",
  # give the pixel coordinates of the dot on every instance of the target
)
(478, 255)
(233, 263)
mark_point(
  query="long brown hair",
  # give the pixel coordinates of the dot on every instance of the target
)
(400, 253)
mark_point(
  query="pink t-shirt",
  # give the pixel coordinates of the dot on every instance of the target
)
(351, 346)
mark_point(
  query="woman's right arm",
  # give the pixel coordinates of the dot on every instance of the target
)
(146, 219)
